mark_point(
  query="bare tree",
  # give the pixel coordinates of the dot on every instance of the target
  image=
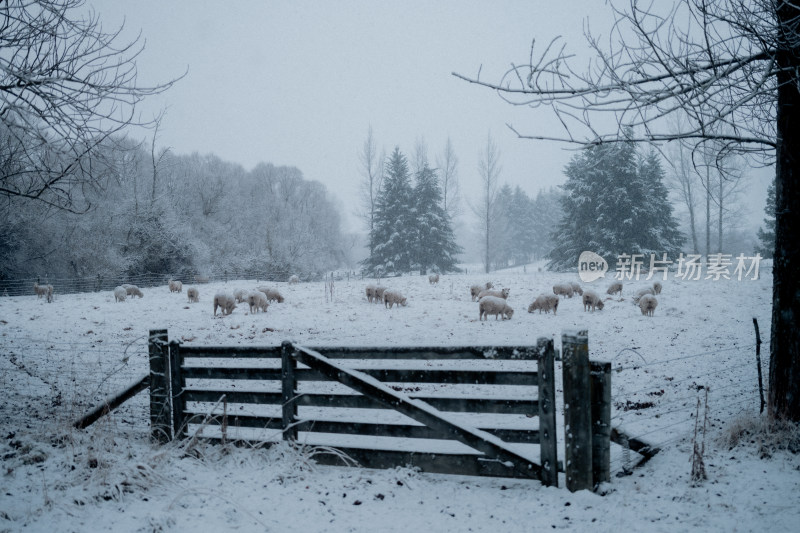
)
(733, 67)
(486, 210)
(420, 158)
(683, 180)
(372, 179)
(447, 162)
(66, 85)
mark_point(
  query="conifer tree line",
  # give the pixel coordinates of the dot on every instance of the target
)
(411, 230)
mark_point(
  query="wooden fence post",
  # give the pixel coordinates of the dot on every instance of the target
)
(601, 421)
(548, 451)
(577, 410)
(177, 384)
(288, 391)
(160, 404)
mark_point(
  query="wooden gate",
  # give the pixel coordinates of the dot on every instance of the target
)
(460, 410)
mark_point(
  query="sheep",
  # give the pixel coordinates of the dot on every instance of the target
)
(657, 287)
(648, 304)
(120, 293)
(293, 279)
(640, 293)
(272, 294)
(257, 300)
(41, 290)
(433, 278)
(576, 287)
(225, 302)
(391, 297)
(370, 290)
(240, 295)
(544, 302)
(378, 296)
(563, 289)
(592, 301)
(499, 294)
(193, 294)
(475, 290)
(133, 290)
(615, 288)
(175, 286)
(492, 305)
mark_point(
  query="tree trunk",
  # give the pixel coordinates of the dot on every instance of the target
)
(695, 245)
(784, 365)
(708, 212)
(719, 222)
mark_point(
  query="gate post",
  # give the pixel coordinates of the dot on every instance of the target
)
(548, 451)
(288, 391)
(601, 421)
(177, 384)
(577, 410)
(160, 401)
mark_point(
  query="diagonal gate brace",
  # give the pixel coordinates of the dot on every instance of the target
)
(420, 411)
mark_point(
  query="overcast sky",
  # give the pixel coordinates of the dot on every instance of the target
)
(299, 83)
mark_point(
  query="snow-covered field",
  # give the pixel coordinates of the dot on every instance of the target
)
(58, 360)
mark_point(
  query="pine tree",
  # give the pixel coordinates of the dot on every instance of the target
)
(615, 203)
(392, 237)
(436, 246)
(766, 238)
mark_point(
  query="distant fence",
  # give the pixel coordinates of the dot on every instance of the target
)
(253, 394)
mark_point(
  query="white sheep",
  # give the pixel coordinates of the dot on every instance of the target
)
(433, 278)
(615, 288)
(563, 289)
(546, 303)
(657, 287)
(642, 292)
(293, 279)
(475, 290)
(257, 300)
(120, 293)
(225, 302)
(576, 287)
(240, 295)
(492, 305)
(391, 297)
(648, 304)
(498, 294)
(378, 296)
(175, 286)
(370, 290)
(193, 294)
(592, 301)
(272, 294)
(41, 290)
(132, 290)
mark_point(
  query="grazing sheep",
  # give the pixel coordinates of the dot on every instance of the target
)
(370, 290)
(133, 290)
(498, 294)
(293, 279)
(592, 301)
(475, 290)
(657, 287)
(193, 294)
(240, 295)
(120, 293)
(257, 300)
(225, 302)
(544, 302)
(433, 278)
(648, 304)
(563, 289)
(41, 290)
(492, 305)
(272, 294)
(175, 286)
(576, 287)
(615, 288)
(378, 296)
(393, 297)
(640, 293)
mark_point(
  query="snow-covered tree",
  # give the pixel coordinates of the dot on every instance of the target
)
(766, 234)
(435, 246)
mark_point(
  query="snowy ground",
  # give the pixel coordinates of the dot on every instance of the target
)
(57, 360)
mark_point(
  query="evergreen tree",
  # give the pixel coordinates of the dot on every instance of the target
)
(545, 214)
(392, 237)
(616, 203)
(436, 246)
(766, 238)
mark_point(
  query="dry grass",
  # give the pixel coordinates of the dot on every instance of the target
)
(767, 436)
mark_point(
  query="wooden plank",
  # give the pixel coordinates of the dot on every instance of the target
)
(288, 392)
(428, 353)
(160, 405)
(548, 454)
(577, 411)
(231, 352)
(112, 403)
(601, 421)
(357, 401)
(420, 411)
(177, 384)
